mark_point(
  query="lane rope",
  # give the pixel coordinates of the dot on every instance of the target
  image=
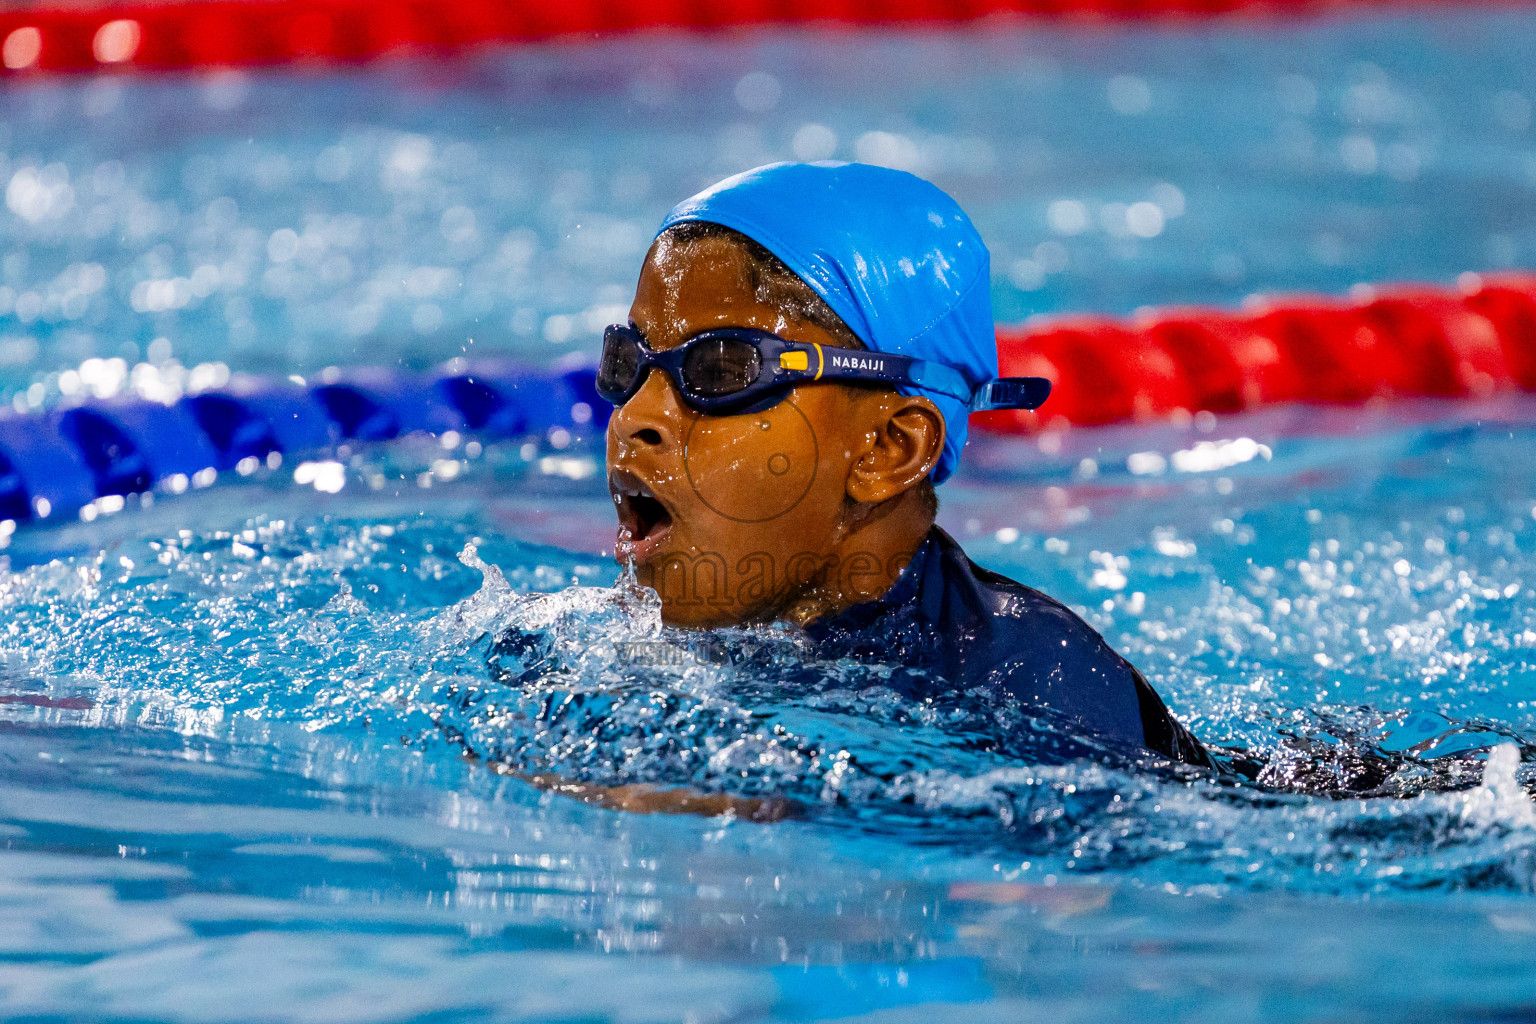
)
(1472, 341)
(66, 36)
(89, 455)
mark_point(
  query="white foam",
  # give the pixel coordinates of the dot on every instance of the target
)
(493, 603)
(1500, 799)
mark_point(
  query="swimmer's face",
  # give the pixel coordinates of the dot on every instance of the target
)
(727, 515)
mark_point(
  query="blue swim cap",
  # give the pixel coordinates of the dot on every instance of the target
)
(892, 254)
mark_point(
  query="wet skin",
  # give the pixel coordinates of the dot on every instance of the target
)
(788, 514)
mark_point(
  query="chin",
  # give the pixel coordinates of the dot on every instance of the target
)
(697, 590)
(694, 616)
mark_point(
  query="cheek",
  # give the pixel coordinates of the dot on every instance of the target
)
(756, 469)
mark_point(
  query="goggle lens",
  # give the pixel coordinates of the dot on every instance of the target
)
(620, 366)
(715, 367)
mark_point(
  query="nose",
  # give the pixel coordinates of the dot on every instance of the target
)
(653, 416)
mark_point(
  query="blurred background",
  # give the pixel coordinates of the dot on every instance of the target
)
(280, 186)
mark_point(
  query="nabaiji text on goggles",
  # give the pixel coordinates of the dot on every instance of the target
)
(744, 369)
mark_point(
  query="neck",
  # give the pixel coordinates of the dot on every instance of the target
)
(876, 543)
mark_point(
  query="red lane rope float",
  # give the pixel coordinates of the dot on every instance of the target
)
(213, 33)
(1472, 341)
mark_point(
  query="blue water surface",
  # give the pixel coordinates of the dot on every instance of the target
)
(246, 754)
(254, 766)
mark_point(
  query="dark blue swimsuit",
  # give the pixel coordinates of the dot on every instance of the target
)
(970, 627)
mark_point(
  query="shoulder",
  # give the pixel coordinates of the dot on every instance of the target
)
(1020, 618)
(1034, 647)
(1047, 654)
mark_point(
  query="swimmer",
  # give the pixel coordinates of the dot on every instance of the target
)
(804, 348)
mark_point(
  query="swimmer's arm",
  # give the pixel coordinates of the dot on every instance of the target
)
(642, 798)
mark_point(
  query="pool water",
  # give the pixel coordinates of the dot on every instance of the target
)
(244, 757)
(256, 766)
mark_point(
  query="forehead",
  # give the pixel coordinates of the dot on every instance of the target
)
(695, 285)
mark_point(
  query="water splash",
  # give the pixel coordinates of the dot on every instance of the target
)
(1500, 800)
(419, 638)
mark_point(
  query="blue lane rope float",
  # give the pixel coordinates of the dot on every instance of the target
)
(505, 400)
(131, 444)
(40, 472)
(373, 404)
(58, 463)
(252, 417)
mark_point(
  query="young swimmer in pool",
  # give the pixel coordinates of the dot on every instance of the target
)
(805, 345)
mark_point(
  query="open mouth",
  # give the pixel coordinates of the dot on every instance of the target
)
(644, 521)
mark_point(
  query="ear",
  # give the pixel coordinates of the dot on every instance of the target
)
(905, 437)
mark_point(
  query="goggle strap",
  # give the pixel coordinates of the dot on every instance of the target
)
(1002, 393)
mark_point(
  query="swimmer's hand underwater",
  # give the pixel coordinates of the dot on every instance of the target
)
(741, 501)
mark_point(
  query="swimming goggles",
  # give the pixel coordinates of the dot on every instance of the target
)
(743, 369)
